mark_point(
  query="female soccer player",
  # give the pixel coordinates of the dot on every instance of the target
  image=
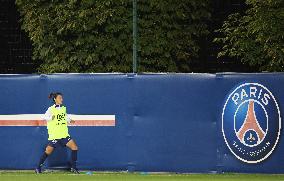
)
(57, 120)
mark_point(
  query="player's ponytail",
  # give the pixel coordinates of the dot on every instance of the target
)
(50, 96)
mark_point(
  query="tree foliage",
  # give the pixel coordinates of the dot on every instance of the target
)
(257, 37)
(96, 36)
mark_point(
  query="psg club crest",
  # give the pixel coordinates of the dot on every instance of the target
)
(251, 122)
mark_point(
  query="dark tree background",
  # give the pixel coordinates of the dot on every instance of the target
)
(256, 36)
(15, 46)
(200, 56)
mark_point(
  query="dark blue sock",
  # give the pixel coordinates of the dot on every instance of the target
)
(42, 159)
(74, 158)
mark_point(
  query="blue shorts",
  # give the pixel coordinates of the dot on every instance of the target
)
(59, 142)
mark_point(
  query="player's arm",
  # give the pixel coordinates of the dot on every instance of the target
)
(69, 120)
(48, 115)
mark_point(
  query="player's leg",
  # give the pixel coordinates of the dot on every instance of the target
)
(74, 150)
(48, 150)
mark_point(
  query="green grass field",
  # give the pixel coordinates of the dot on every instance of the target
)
(103, 176)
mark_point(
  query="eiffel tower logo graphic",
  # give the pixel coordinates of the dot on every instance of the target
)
(251, 123)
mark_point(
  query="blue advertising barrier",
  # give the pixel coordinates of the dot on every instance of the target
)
(163, 122)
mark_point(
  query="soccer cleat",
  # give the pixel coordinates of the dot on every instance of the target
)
(38, 170)
(75, 170)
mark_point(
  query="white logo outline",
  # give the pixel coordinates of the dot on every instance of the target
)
(279, 118)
